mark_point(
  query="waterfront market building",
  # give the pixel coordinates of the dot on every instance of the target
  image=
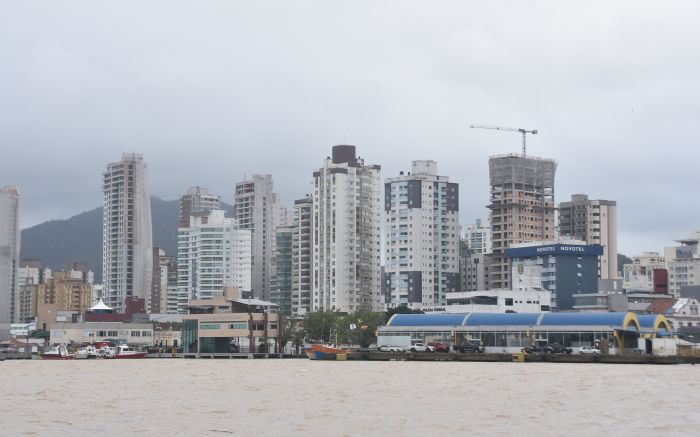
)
(614, 333)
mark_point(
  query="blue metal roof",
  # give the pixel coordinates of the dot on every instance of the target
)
(584, 319)
(647, 320)
(426, 320)
(501, 319)
(626, 321)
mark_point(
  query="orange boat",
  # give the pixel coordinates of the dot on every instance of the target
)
(324, 352)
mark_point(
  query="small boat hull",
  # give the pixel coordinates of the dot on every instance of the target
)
(130, 356)
(322, 352)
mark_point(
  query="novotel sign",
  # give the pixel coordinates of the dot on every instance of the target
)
(556, 249)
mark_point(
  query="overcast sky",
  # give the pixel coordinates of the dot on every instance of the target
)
(210, 91)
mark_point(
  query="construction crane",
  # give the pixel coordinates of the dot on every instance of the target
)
(510, 129)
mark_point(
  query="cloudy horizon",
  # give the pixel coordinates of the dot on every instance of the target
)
(211, 92)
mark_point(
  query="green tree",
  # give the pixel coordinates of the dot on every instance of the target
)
(401, 309)
(321, 326)
(360, 328)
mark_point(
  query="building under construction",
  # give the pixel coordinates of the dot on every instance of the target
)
(522, 208)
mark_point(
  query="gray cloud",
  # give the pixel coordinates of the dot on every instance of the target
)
(211, 91)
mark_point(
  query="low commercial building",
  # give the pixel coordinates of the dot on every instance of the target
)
(494, 301)
(614, 333)
(140, 334)
(618, 301)
(228, 324)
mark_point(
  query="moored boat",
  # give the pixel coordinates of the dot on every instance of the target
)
(126, 352)
(324, 352)
(87, 352)
(57, 353)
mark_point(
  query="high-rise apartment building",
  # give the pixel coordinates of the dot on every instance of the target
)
(68, 290)
(213, 253)
(164, 289)
(595, 222)
(9, 256)
(255, 208)
(281, 293)
(301, 256)
(30, 275)
(168, 277)
(346, 234)
(472, 269)
(126, 233)
(421, 262)
(196, 200)
(478, 237)
(522, 208)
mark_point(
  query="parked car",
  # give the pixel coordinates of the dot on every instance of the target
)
(420, 347)
(556, 348)
(533, 349)
(439, 347)
(584, 350)
(387, 348)
(468, 347)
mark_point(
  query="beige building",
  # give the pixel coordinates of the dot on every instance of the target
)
(595, 222)
(228, 324)
(68, 292)
(522, 208)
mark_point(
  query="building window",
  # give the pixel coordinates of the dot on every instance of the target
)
(210, 326)
(238, 325)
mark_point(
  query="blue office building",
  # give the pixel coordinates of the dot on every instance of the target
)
(564, 268)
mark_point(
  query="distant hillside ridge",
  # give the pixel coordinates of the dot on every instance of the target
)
(59, 243)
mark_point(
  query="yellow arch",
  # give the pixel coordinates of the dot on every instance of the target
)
(631, 319)
(661, 322)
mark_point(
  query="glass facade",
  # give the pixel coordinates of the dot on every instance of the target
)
(282, 291)
(189, 336)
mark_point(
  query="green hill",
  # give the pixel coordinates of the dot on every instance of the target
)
(59, 243)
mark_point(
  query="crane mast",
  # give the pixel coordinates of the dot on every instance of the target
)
(524, 132)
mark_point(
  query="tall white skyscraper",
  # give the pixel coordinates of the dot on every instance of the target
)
(301, 256)
(346, 234)
(421, 261)
(127, 253)
(9, 257)
(213, 253)
(256, 207)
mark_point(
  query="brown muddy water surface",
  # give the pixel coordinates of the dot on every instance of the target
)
(303, 397)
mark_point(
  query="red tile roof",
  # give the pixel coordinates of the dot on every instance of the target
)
(661, 306)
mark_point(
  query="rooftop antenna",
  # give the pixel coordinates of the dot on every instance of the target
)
(510, 129)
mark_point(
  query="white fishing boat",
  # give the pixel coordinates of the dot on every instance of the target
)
(125, 351)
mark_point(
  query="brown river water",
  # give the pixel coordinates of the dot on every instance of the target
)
(311, 398)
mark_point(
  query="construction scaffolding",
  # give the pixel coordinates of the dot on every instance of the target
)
(522, 207)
